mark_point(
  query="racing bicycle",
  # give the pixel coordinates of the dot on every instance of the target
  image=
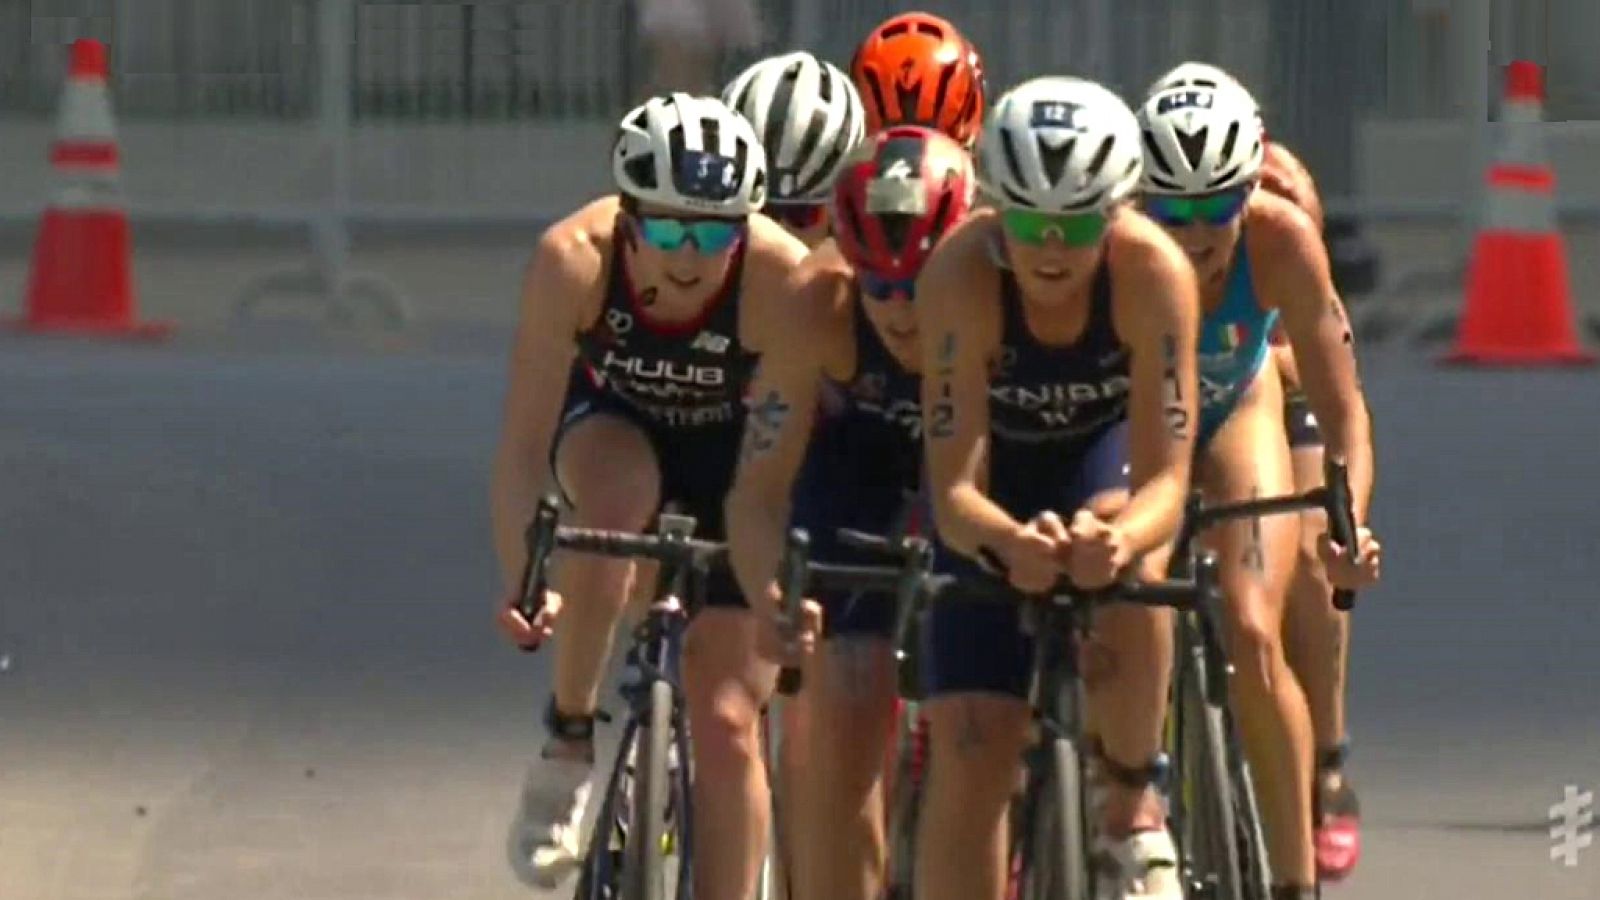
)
(1214, 813)
(642, 844)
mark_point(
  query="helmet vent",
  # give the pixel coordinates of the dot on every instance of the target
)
(1193, 145)
(1100, 157)
(1054, 159)
(1153, 152)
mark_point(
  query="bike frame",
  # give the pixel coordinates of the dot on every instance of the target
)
(652, 658)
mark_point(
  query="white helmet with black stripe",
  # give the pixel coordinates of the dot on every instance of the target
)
(808, 116)
(690, 154)
(1200, 139)
(1062, 145)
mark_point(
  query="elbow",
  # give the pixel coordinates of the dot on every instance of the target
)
(1349, 430)
(947, 502)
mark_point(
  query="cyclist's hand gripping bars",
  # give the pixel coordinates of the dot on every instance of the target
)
(792, 587)
(540, 539)
(915, 555)
(1341, 521)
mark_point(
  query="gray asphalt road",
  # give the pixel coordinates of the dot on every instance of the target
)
(244, 598)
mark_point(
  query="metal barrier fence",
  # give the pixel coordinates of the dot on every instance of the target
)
(1320, 67)
(479, 59)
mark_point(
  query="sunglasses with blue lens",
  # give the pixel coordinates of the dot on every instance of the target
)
(709, 236)
(1220, 208)
(879, 288)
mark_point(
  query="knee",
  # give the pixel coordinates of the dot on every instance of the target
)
(977, 745)
(725, 722)
(1255, 646)
(724, 704)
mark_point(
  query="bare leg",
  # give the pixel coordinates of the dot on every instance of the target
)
(726, 685)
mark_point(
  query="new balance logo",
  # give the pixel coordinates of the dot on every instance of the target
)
(710, 342)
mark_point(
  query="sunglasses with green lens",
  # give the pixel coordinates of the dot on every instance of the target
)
(1073, 229)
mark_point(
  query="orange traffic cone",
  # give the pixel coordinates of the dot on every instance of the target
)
(82, 280)
(1519, 299)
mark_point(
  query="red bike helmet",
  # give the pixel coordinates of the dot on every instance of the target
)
(897, 194)
(917, 69)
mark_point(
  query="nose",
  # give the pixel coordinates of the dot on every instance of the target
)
(1053, 245)
(1194, 236)
(902, 315)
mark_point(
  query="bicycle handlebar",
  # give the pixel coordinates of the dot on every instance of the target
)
(873, 543)
(792, 572)
(1333, 498)
(797, 575)
(1341, 522)
(544, 535)
(1177, 593)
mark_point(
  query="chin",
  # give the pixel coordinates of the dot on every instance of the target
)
(1051, 291)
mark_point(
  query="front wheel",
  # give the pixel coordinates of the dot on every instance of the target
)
(1220, 826)
(645, 876)
(1056, 861)
(905, 804)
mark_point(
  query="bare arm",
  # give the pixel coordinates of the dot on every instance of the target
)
(553, 289)
(1158, 310)
(783, 401)
(1292, 272)
(1288, 177)
(957, 340)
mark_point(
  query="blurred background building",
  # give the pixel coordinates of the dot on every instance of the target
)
(494, 111)
(1323, 68)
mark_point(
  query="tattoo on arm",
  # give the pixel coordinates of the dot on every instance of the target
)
(1336, 312)
(764, 424)
(1177, 417)
(943, 411)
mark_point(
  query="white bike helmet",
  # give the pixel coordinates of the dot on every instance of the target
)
(692, 154)
(808, 117)
(1061, 145)
(1192, 73)
(1200, 139)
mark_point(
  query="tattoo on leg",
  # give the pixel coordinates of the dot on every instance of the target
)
(1254, 559)
(1177, 417)
(971, 736)
(764, 424)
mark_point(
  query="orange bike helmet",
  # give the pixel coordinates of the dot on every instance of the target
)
(917, 69)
